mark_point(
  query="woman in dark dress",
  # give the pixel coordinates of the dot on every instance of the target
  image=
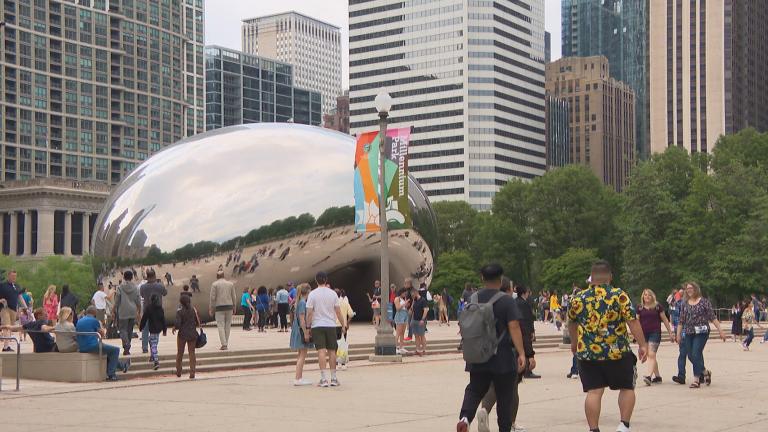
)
(69, 300)
(736, 326)
(186, 325)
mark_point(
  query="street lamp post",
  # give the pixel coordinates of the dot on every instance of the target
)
(385, 344)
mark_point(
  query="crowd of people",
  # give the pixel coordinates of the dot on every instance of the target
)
(601, 319)
(124, 307)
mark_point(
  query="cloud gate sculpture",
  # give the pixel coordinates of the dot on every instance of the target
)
(267, 203)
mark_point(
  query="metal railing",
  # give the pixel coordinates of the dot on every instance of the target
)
(18, 349)
(76, 333)
(18, 361)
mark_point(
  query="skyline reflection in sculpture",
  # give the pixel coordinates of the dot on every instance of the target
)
(279, 196)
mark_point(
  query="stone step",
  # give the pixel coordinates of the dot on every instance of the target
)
(290, 356)
(265, 351)
(239, 360)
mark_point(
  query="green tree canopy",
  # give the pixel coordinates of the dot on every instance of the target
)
(455, 225)
(36, 276)
(456, 269)
(572, 267)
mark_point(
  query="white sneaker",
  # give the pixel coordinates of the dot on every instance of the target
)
(482, 421)
(516, 428)
(622, 428)
(302, 382)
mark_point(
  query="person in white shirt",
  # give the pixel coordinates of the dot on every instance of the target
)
(323, 308)
(100, 301)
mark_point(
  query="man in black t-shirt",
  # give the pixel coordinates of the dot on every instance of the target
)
(419, 309)
(39, 332)
(501, 369)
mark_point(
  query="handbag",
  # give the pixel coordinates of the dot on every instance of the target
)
(202, 338)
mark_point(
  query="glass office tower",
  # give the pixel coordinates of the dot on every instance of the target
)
(618, 30)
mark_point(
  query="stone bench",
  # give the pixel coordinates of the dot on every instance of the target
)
(58, 367)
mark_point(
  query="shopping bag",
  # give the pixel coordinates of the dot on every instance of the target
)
(342, 352)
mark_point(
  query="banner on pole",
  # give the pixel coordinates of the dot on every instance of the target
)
(395, 176)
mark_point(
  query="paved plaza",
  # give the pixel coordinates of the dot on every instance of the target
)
(419, 394)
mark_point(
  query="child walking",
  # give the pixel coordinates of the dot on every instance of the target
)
(154, 317)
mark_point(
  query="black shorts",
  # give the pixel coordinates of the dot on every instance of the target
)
(615, 374)
(325, 338)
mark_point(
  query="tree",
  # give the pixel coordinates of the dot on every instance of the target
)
(652, 224)
(571, 208)
(740, 265)
(36, 276)
(454, 269)
(572, 267)
(455, 225)
(497, 239)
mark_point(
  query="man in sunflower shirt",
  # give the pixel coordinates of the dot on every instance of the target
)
(599, 315)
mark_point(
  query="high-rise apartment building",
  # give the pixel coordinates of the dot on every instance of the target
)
(312, 46)
(558, 131)
(467, 77)
(90, 89)
(618, 30)
(602, 116)
(243, 88)
(708, 62)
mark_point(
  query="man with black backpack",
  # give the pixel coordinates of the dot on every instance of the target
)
(492, 347)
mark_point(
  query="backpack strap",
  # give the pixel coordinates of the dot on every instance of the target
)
(473, 298)
(496, 298)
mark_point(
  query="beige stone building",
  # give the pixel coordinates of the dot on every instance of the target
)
(312, 46)
(602, 116)
(43, 217)
(708, 61)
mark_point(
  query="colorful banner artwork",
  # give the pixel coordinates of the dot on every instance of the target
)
(395, 175)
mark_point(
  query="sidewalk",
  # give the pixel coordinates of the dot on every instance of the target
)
(420, 394)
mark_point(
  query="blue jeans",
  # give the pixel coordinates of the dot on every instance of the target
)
(145, 339)
(694, 346)
(750, 337)
(681, 358)
(113, 355)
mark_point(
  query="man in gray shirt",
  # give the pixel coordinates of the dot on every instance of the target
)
(127, 309)
(152, 286)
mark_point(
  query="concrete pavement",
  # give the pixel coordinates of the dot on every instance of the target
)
(420, 394)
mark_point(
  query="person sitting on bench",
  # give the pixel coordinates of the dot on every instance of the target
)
(38, 330)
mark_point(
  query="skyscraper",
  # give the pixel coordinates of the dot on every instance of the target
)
(468, 77)
(708, 63)
(312, 46)
(618, 30)
(602, 116)
(243, 88)
(90, 89)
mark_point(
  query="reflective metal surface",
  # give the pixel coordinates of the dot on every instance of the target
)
(279, 196)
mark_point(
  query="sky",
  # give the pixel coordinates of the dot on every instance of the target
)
(223, 18)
